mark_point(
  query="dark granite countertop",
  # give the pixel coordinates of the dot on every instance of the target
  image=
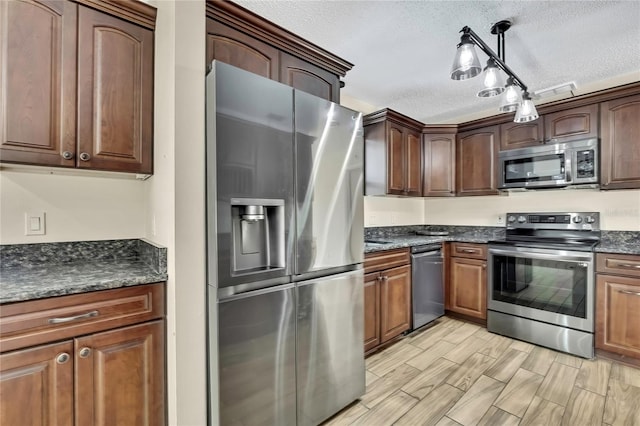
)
(37, 271)
(405, 236)
(620, 242)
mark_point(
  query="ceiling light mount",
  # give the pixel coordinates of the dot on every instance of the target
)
(467, 65)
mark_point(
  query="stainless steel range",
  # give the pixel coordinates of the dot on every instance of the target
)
(541, 280)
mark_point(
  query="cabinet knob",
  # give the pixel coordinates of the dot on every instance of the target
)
(84, 156)
(67, 155)
(84, 352)
(62, 358)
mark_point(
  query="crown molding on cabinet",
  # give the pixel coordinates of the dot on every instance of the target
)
(257, 27)
(133, 11)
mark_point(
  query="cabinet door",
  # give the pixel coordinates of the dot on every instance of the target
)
(115, 93)
(620, 149)
(395, 160)
(38, 82)
(238, 49)
(395, 302)
(618, 314)
(521, 135)
(413, 152)
(468, 287)
(371, 311)
(36, 386)
(571, 124)
(120, 376)
(439, 165)
(309, 78)
(477, 162)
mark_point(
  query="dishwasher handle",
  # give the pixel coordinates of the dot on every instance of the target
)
(435, 254)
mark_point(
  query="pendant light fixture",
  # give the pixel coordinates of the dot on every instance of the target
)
(467, 65)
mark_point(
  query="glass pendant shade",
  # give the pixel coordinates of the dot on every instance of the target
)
(511, 98)
(527, 111)
(466, 63)
(493, 82)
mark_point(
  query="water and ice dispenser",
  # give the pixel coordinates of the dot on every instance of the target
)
(258, 235)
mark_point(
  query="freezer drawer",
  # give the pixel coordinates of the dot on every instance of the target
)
(256, 338)
(330, 369)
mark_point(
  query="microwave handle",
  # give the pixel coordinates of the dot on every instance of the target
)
(567, 167)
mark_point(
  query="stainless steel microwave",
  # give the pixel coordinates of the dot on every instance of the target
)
(549, 166)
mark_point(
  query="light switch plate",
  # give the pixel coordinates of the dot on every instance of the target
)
(34, 223)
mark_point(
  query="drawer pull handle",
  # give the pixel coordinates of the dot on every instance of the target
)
(468, 251)
(633, 293)
(74, 318)
(628, 266)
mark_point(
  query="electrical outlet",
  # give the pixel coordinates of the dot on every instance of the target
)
(34, 223)
(373, 219)
(500, 220)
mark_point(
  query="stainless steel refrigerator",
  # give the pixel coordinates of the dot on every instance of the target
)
(285, 250)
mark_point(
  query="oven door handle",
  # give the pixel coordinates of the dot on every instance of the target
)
(544, 256)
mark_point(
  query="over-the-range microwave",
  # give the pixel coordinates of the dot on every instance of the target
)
(549, 166)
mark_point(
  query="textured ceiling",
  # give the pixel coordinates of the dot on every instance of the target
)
(403, 50)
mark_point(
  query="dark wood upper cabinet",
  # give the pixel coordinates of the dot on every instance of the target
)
(309, 78)
(571, 124)
(439, 165)
(620, 143)
(393, 154)
(477, 161)
(38, 63)
(78, 88)
(243, 39)
(238, 49)
(521, 135)
(115, 93)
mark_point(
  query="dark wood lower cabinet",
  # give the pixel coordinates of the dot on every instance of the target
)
(395, 302)
(387, 296)
(371, 311)
(120, 376)
(618, 314)
(36, 386)
(468, 287)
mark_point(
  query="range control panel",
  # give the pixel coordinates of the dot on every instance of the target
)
(584, 220)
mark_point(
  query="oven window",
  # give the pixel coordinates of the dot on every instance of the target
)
(540, 168)
(549, 285)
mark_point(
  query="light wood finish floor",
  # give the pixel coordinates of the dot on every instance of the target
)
(457, 373)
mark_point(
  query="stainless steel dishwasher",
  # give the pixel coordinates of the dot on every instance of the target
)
(427, 285)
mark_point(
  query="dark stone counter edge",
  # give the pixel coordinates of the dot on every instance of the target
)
(84, 288)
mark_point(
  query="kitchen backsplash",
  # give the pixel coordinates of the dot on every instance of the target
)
(619, 210)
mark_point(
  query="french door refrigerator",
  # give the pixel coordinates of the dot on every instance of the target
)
(285, 250)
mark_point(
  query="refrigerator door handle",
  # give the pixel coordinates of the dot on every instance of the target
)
(327, 273)
(256, 293)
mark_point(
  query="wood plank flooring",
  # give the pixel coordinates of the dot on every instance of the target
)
(456, 373)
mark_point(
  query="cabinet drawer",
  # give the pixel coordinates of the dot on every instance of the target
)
(470, 250)
(385, 259)
(622, 264)
(34, 322)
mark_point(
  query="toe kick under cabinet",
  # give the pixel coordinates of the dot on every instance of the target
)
(96, 358)
(387, 296)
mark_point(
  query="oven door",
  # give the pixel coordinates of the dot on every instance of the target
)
(529, 170)
(549, 285)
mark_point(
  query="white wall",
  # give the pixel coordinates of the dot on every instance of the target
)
(619, 210)
(387, 211)
(175, 198)
(77, 207)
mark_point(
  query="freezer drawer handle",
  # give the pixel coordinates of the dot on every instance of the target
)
(74, 318)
